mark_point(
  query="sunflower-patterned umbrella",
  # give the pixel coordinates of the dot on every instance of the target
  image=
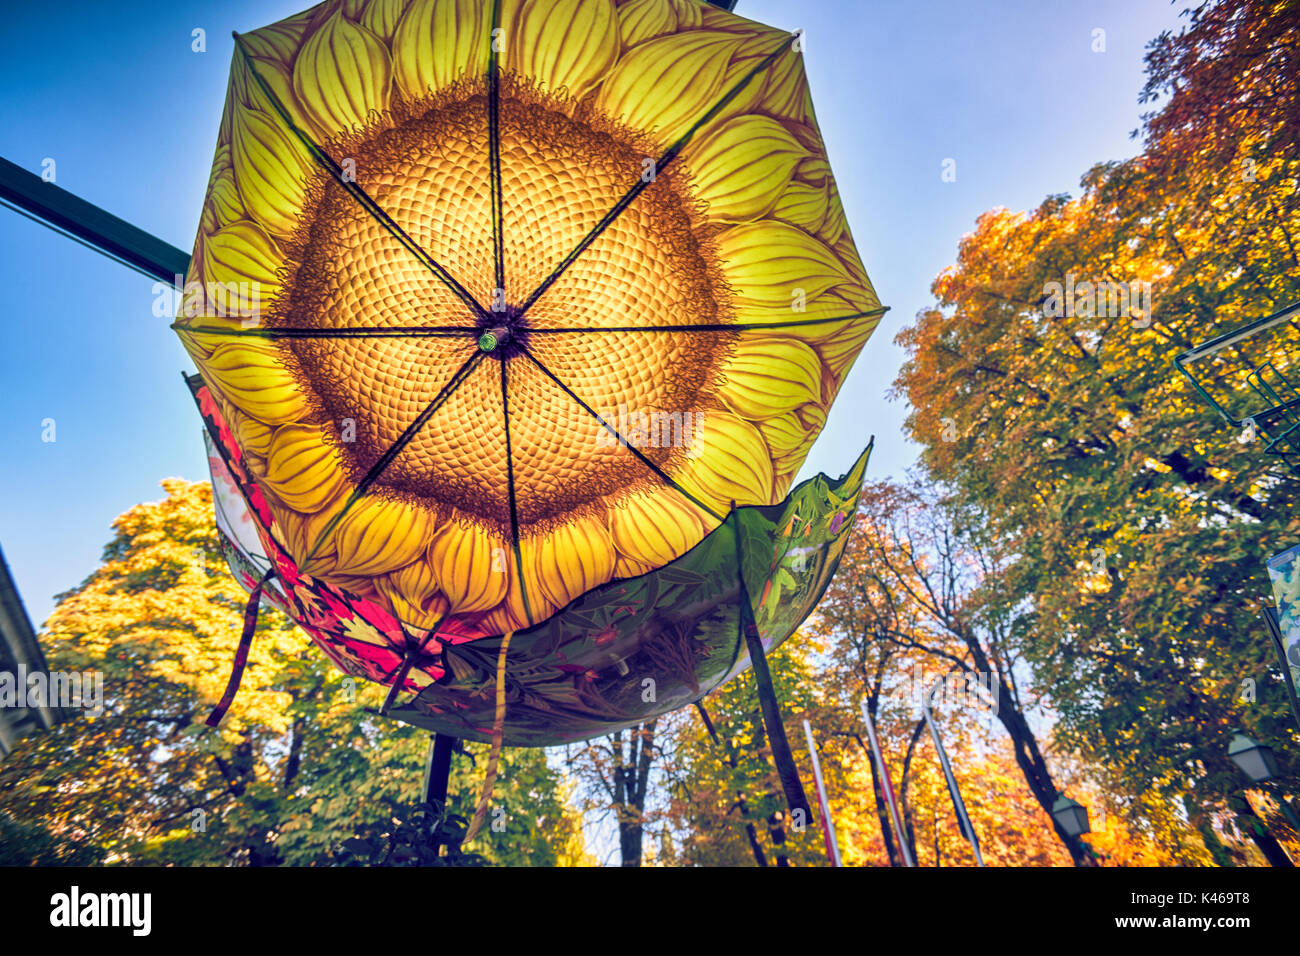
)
(514, 321)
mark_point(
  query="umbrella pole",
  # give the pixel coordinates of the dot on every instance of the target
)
(781, 754)
(437, 770)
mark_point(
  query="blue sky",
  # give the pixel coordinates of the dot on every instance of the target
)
(113, 93)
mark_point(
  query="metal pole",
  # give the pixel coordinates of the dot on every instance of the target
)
(887, 784)
(963, 819)
(437, 768)
(828, 827)
(1279, 644)
(29, 195)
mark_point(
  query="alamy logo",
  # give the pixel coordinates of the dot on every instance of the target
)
(656, 429)
(1103, 300)
(194, 300)
(75, 908)
(972, 691)
(53, 689)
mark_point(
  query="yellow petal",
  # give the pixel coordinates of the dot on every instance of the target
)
(381, 17)
(769, 263)
(361, 586)
(439, 42)
(811, 419)
(254, 379)
(669, 83)
(512, 614)
(343, 72)
(770, 376)
(254, 436)
(298, 534)
(641, 20)
(625, 567)
(785, 88)
(271, 168)
(223, 201)
(840, 348)
(378, 535)
(743, 166)
(279, 41)
(802, 205)
(574, 558)
(303, 470)
(413, 593)
(732, 463)
(783, 433)
(472, 567)
(652, 530)
(243, 260)
(567, 44)
(279, 80)
(835, 225)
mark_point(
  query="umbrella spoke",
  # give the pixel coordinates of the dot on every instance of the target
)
(667, 158)
(510, 485)
(405, 331)
(354, 189)
(377, 469)
(716, 326)
(659, 472)
(494, 148)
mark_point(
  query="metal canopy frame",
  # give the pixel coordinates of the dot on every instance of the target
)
(1278, 420)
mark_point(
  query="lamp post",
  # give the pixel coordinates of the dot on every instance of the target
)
(1258, 762)
(1071, 815)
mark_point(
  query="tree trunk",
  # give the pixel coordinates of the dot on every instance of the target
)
(910, 836)
(631, 783)
(1249, 822)
(882, 811)
(1028, 757)
(293, 762)
(776, 830)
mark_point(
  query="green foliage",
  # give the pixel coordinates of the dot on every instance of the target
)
(301, 763)
(30, 843)
(1140, 525)
(720, 789)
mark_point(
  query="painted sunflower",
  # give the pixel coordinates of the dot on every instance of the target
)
(503, 300)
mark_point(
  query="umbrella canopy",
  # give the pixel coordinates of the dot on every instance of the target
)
(623, 653)
(496, 302)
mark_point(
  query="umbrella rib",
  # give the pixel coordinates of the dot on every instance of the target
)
(405, 331)
(717, 326)
(510, 485)
(667, 158)
(372, 475)
(615, 432)
(354, 189)
(494, 150)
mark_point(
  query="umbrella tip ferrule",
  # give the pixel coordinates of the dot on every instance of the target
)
(492, 339)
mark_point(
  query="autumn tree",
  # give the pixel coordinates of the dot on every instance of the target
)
(301, 762)
(726, 806)
(1139, 525)
(920, 575)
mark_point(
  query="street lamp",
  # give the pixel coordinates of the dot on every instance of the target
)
(1258, 762)
(1254, 759)
(1072, 816)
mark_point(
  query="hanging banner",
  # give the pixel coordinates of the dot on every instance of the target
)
(828, 828)
(958, 804)
(1285, 577)
(887, 785)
